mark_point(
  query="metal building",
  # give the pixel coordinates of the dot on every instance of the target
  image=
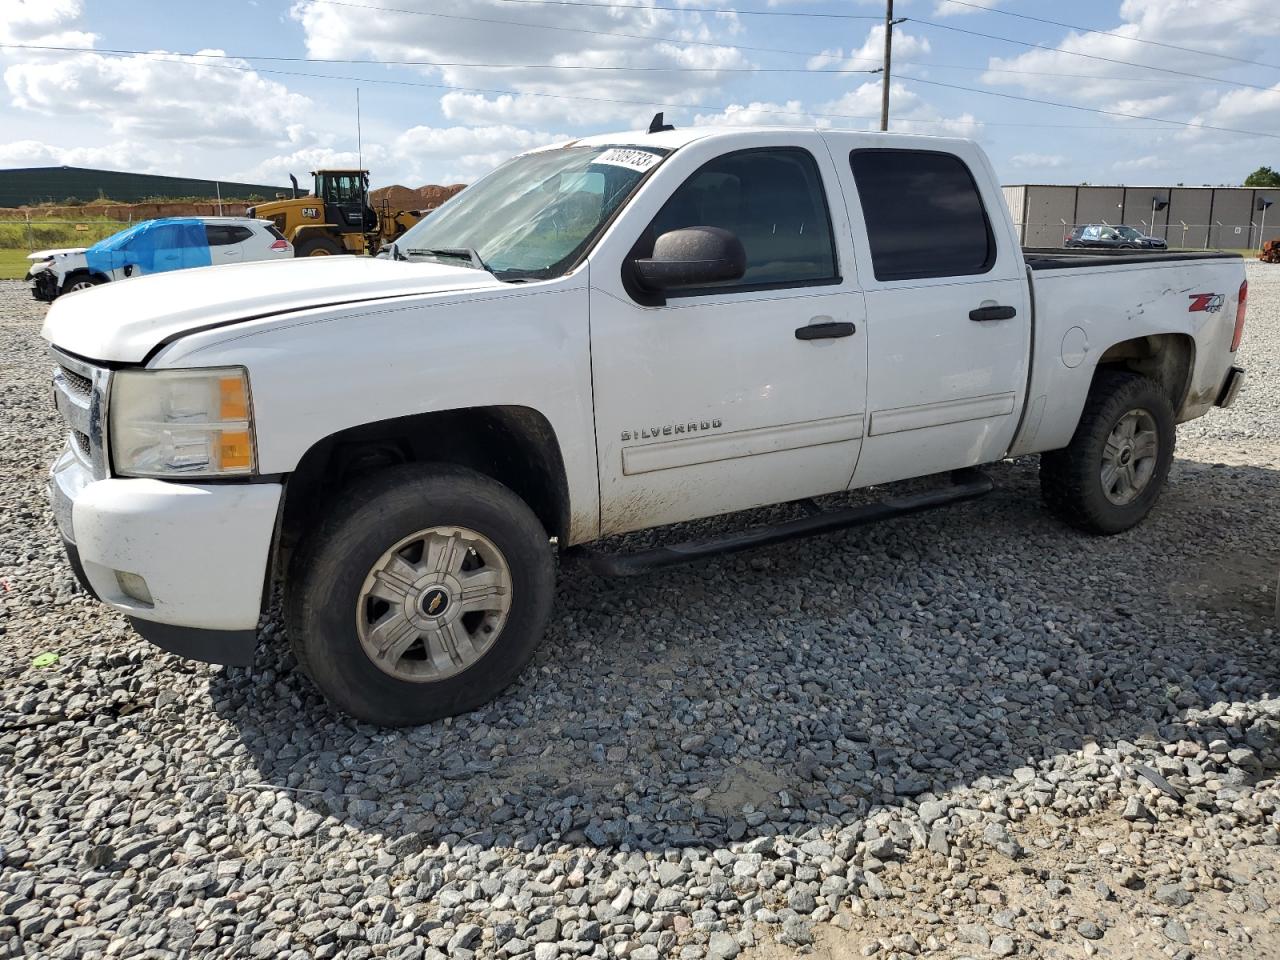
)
(30, 185)
(1197, 218)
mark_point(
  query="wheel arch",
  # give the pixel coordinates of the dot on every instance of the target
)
(515, 445)
(71, 276)
(1166, 358)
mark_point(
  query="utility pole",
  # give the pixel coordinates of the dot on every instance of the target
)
(888, 57)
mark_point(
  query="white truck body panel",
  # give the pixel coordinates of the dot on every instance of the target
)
(1082, 312)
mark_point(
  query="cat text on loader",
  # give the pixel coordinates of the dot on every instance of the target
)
(336, 217)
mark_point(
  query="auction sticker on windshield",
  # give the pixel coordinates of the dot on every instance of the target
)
(640, 160)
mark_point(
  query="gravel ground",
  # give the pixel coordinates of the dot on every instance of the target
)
(968, 734)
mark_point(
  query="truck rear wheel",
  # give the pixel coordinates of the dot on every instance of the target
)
(319, 247)
(1110, 475)
(423, 594)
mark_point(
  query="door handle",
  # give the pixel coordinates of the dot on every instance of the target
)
(825, 331)
(993, 313)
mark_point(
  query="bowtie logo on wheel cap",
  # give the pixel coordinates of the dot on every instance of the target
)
(434, 601)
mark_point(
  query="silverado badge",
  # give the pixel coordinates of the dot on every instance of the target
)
(672, 429)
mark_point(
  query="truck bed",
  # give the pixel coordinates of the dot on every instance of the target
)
(1057, 258)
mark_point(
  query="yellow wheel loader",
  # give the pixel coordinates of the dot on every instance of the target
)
(336, 217)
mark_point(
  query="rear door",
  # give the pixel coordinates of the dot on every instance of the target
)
(948, 321)
(226, 242)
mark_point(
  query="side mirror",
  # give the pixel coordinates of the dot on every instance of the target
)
(691, 257)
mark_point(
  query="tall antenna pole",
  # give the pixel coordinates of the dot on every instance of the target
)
(888, 59)
(364, 186)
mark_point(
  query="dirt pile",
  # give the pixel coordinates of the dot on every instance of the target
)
(404, 198)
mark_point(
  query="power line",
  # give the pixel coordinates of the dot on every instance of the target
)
(677, 9)
(589, 67)
(1072, 106)
(1103, 33)
(648, 38)
(174, 58)
(1086, 56)
(797, 13)
(797, 53)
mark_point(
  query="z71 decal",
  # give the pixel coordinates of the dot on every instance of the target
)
(1206, 302)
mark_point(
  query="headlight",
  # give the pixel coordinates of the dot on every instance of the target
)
(182, 423)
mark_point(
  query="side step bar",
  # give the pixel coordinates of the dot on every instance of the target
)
(965, 485)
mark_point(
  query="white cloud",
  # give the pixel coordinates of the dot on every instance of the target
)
(122, 155)
(945, 9)
(44, 22)
(417, 156)
(908, 112)
(1149, 162)
(495, 32)
(1040, 160)
(182, 99)
(761, 113)
(461, 154)
(871, 53)
(1199, 25)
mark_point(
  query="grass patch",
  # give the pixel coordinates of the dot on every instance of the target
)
(18, 235)
(13, 264)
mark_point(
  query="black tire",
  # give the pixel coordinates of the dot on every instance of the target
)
(319, 247)
(374, 514)
(81, 280)
(1071, 479)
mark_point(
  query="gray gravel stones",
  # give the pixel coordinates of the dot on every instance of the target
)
(920, 739)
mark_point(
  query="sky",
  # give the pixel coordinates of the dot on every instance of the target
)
(492, 78)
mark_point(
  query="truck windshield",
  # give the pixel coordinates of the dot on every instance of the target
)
(532, 218)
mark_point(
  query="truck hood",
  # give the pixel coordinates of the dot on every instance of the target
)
(60, 252)
(123, 322)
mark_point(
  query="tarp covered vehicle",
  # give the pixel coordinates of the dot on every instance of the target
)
(155, 246)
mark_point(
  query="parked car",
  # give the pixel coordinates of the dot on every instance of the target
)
(1105, 236)
(155, 246)
(614, 334)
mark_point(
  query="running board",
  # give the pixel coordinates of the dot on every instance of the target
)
(965, 485)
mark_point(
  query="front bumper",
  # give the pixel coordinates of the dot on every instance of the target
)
(201, 549)
(1231, 387)
(44, 285)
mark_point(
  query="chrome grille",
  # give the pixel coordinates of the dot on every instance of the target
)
(75, 382)
(80, 393)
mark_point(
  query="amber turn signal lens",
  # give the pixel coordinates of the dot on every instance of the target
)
(235, 450)
(233, 403)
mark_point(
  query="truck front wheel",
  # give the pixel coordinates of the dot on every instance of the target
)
(423, 594)
(1108, 478)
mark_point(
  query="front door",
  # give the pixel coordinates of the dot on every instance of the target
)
(720, 399)
(948, 318)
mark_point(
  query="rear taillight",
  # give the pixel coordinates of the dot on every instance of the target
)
(1240, 304)
(280, 245)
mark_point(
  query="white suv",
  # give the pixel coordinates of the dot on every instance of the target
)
(155, 246)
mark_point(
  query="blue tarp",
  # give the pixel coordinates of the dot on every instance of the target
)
(154, 246)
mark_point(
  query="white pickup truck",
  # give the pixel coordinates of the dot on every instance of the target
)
(611, 334)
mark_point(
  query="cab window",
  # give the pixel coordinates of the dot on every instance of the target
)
(924, 214)
(773, 201)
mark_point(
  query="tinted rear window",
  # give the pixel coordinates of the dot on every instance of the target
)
(924, 214)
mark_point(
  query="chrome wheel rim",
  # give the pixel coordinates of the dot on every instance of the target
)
(81, 285)
(434, 604)
(1129, 457)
